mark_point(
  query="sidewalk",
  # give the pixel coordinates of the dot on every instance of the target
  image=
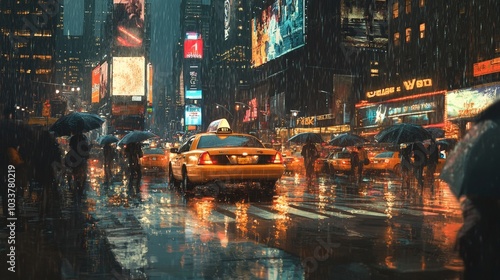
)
(65, 244)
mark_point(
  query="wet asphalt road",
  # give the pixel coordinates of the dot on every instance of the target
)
(328, 228)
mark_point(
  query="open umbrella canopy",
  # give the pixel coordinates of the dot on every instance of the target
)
(472, 167)
(107, 139)
(304, 136)
(436, 132)
(347, 140)
(76, 122)
(136, 136)
(403, 133)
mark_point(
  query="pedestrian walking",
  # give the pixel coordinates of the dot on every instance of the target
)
(406, 164)
(420, 154)
(363, 160)
(109, 155)
(133, 152)
(310, 154)
(434, 153)
(354, 163)
(76, 159)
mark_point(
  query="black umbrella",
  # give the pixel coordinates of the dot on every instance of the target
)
(403, 133)
(107, 139)
(76, 122)
(436, 132)
(347, 140)
(136, 136)
(472, 167)
(304, 136)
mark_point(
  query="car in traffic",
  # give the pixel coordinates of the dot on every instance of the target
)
(339, 162)
(386, 161)
(154, 160)
(223, 156)
(294, 163)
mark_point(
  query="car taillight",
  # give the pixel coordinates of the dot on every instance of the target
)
(278, 158)
(205, 159)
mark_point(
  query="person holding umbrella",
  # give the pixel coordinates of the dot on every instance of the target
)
(310, 154)
(109, 156)
(77, 158)
(472, 172)
(133, 152)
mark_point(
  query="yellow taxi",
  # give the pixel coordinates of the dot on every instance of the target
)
(154, 160)
(339, 162)
(386, 161)
(220, 155)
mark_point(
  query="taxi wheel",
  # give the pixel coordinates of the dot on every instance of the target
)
(187, 187)
(269, 187)
(171, 180)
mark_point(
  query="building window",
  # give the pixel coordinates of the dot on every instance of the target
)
(421, 3)
(408, 35)
(408, 6)
(422, 30)
(395, 10)
(396, 39)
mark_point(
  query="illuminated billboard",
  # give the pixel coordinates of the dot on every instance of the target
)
(193, 46)
(193, 82)
(129, 76)
(128, 20)
(103, 81)
(96, 76)
(192, 115)
(251, 112)
(469, 102)
(276, 30)
(364, 23)
(150, 84)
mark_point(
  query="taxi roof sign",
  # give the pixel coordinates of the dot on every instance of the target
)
(218, 126)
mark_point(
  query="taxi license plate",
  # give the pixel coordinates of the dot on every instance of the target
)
(153, 158)
(243, 160)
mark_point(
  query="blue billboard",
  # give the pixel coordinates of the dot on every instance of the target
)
(192, 115)
(277, 29)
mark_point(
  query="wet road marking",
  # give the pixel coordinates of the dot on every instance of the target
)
(358, 211)
(254, 211)
(314, 207)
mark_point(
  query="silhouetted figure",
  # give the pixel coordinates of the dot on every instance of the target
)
(109, 156)
(354, 163)
(406, 164)
(133, 152)
(362, 156)
(478, 239)
(419, 161)
(310, 154)
(76, 159)
(432, 162)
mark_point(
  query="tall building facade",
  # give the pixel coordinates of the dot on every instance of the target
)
(27, 50)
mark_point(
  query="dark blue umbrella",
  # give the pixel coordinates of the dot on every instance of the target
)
(403, 133)
(304, 136)
(136, 136)
(347, 140)
(107, 139)
(76, 122)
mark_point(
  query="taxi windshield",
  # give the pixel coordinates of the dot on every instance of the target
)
(213, 141)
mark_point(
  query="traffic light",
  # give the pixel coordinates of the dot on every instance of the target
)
(46, 109)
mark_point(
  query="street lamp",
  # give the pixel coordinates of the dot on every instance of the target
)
(217, 105)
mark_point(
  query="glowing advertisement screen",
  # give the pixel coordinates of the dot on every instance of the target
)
(192, 82)
(128, 20)
(192, 115)
(96, 75)
(276, 30)
(364, 23)
(251, 112)
(103, 80)
(193, 46)
(421, 111)
(467, 103)
(129, 76)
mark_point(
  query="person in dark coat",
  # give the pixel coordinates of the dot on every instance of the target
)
(354, 163)
(310, 154)
(478, 239)
(419, 161)
(133, 152)
(76, 159)
(406, 164)
(109, 156)
(434, 153)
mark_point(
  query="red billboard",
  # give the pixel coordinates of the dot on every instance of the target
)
(193, 48)
(96, 76)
